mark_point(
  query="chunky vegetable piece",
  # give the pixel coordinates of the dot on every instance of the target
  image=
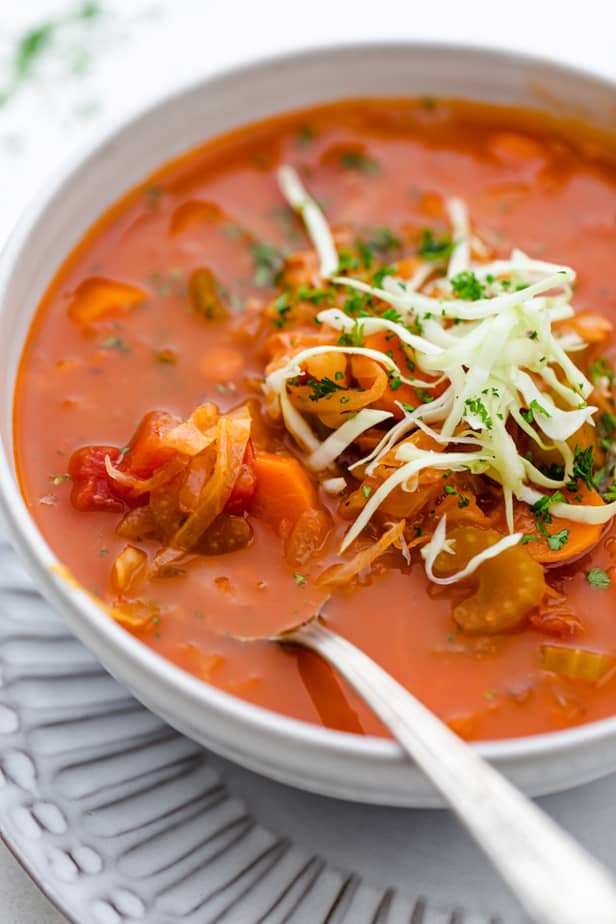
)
(507, 587)
(577, 663)
(283, 491)
(354, 381)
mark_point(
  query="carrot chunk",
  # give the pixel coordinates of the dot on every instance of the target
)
(283, 490)
(97, 297)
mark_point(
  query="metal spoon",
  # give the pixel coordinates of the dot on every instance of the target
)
(554, 878)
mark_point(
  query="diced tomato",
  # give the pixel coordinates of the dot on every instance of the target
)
(245, 484)
(146, 450)
(92, 488)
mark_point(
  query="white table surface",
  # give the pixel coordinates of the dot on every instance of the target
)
(139, 48)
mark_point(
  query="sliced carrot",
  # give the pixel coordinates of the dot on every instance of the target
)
(580, 538)
(399, 393)
(514, 148)
(97, 297)
(284, 491)
(592, 328)
(195, 211)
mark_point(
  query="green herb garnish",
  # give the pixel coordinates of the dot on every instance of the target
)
(600, 368)
(582, 470)
(359, 161)
(268, 263)
(557, 540)
(598, 578)
(467, 286)
(116, 343)
(434, 248)
(353, 337)
(478, 408)
(322, 388)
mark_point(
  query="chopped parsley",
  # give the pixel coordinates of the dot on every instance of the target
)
(380, 274)
(582, 470)
(453, 491)
(358, 303)
(366, 490)
(541, 508)
(152, 196)
(390, 314)
(355, 159)
(598, 578)
(600, 369)
(554, 471)
(59, 479)
(282, 307)
(305, 135)
(557, 540)
(435, 248)
(541, 512)
(383, 242)
(467, 286)
(424, 396)
(314, 296)
(538, 409)
(299, 579)
(322, 388)
(609, 492)
(352, 337)
(268, 263)
(478, 408)
(116, 343)
(607, 430)
(231, 230)
(347, 261)
(35, 43)
(534, 408)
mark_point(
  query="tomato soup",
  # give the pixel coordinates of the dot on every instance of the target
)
(249, 391)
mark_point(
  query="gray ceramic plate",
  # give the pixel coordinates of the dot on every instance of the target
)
(120, 819)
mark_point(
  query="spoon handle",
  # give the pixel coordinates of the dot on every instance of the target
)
(554, 878)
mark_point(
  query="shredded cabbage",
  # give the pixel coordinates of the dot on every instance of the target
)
(347, 433)
(334, 485)
(503, 360)
(316, 223)
(460, 255)
(439, 543)
(418, 459)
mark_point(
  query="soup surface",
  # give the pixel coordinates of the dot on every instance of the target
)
(180, 387)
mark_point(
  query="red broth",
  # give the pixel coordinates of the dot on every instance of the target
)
(530, 183)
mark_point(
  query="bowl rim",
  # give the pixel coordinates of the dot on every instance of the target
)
(50, 574)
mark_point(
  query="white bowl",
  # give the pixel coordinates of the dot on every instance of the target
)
(343, 765)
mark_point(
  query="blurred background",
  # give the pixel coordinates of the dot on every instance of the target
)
(71, 68)
(68, 68)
